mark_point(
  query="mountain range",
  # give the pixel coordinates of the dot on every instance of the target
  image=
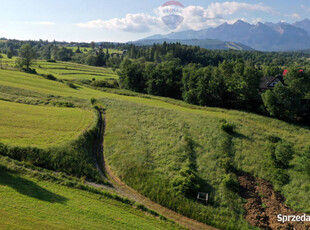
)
(261, 36)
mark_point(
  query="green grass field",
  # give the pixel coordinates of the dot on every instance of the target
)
(67, 70)
(32, 203)
(73, 71)
(41, 126)
(145, 145)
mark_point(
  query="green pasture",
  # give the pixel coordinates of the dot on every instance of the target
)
(73, 71)
(67, 70)
(41, 126)
(29, 202)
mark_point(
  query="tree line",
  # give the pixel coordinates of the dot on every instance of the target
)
(98, 55)
(231, 84)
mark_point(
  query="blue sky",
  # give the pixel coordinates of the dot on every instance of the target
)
(124, 20)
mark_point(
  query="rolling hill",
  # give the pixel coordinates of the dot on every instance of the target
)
(168, 150)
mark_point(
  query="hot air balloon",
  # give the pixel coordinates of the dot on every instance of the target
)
(173, 18)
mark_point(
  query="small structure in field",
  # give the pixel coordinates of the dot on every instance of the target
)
(204, 197)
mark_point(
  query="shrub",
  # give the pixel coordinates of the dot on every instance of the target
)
(92, 100)
(32, 71)
(278, 157)
(49, 77)
(227, 127)
(71, 85)
(10, 54)
(105, 84)
(230, 182)
(273, 138)
(283, 155)
(51, 60)
(280, 177)
(63, 104)
(304, 161)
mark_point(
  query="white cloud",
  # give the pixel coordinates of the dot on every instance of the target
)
(219, 10)
(131, 23)
(195, 17)
(257, 20)
(294, 16)
(305, 7)
(45, 23)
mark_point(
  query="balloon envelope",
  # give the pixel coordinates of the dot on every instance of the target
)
(172, 21)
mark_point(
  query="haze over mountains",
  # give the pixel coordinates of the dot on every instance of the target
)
(262, 36)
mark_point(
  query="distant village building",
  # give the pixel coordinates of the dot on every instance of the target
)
(270, 82)
(267, 83)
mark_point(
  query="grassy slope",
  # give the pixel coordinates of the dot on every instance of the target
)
(73, 71)
(40, 126)
(155, 129)
(29, 203)
(145, 142)
(68, 70)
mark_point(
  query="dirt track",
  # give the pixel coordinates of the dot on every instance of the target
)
(122, 189)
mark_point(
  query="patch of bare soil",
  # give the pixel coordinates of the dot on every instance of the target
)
(264, 205)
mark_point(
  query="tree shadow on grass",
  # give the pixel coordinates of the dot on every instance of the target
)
(29, 188)
(240, 136)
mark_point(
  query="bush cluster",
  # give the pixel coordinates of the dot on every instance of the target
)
(51, 60)
(105, 84)
(49, 77)
(227, 127)
(71, 85)
(277, 160)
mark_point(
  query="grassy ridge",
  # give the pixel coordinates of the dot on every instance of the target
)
(29, 202)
